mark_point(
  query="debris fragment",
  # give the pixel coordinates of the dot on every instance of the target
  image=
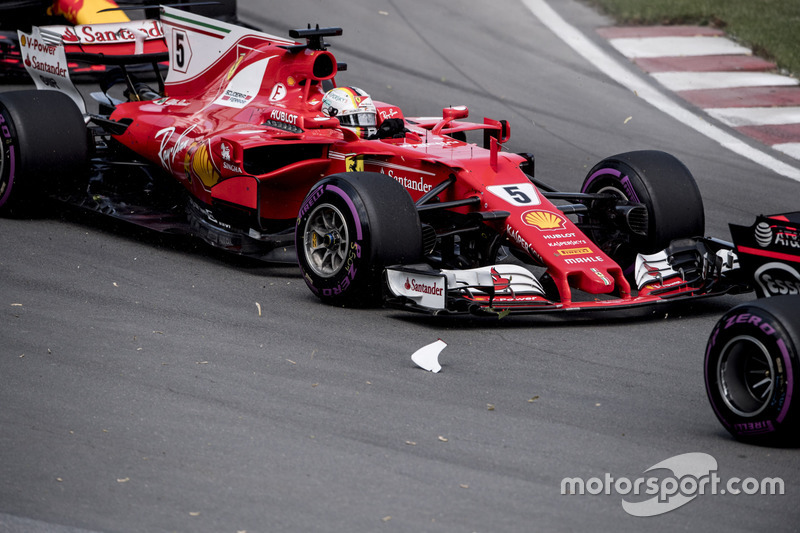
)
(490, 407)
(627, 120)
(443, 439)
(427, 357)
(533, 399)
(258, 306)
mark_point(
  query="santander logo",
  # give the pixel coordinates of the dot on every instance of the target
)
(412, 285)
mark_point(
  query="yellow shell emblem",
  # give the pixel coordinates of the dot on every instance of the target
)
(543, 220)
(203, 167)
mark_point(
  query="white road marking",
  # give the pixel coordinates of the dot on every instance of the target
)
(755, 116)
(687, 81)
(790, 149)
(648, 92)
(635, 47)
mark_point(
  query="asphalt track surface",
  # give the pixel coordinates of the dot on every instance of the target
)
(143, 391)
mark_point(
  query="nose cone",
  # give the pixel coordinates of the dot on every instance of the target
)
(595, 280)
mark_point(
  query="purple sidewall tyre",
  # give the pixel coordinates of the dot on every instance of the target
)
(751, 371)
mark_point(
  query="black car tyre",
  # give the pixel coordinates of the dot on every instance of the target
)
(351, 226)
(751, 368)
(661, 183)
(43, 143)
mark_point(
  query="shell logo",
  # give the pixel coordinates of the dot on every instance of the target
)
(544, 220)
(203, 167)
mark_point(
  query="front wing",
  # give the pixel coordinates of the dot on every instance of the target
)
(688, 269)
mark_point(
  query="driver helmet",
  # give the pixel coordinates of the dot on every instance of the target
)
(354, 109)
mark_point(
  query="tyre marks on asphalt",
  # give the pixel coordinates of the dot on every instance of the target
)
(711, 71)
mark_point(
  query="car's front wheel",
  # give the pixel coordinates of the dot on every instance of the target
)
(666, 189)
(349, 228)
(751, 368)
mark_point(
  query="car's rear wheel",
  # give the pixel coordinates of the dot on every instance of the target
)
(349, 228)
(43, 143)
(751, 367)
(665, 187)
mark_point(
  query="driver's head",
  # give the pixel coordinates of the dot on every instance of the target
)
(354, 109)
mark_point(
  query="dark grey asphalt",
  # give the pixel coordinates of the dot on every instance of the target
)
(140, 390)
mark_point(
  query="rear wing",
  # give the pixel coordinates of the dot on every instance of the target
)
(115, 43)
(47, 50)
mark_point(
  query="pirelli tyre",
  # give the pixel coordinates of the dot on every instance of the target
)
(751, 368)
(43, 144)
(667, 190)
(350, 227)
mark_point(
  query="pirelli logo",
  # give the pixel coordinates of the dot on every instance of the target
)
(575, 251)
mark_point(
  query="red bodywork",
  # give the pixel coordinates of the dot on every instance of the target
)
(212, 149)
(240, 128)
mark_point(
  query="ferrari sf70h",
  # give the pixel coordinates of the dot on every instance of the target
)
(250, 144)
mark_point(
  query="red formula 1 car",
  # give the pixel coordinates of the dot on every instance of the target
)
(250, 145)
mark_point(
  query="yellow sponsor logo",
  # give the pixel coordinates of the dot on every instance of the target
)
(354, 163)
(575, 251)
(544, 220)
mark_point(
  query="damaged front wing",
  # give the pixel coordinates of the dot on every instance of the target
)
(688, 268)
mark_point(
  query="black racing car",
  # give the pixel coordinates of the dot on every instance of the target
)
(752, 357)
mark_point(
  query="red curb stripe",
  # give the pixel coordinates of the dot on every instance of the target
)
(734, 64)
(658, 31)
(776, 134)
(731, 63)
(743, 97)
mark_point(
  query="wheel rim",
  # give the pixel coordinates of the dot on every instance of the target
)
(746, 376)
(613, 241)
(326, 240)
(611, 189)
